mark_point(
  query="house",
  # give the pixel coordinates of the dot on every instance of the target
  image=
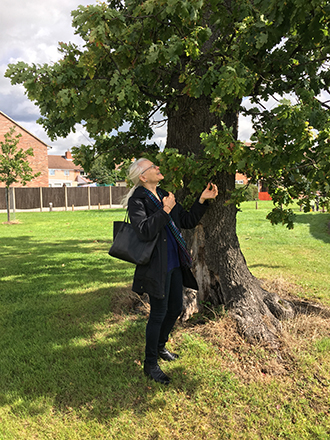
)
(241, 179)
(38, 162)
(63, 171)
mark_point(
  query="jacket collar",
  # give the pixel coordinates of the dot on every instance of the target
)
(140, 193)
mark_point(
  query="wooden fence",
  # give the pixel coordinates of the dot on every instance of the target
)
(63, 198)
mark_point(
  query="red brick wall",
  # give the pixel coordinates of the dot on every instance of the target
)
(38, 162)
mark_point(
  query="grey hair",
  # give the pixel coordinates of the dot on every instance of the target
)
(134, 172)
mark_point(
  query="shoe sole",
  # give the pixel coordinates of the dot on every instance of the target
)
(167, 359)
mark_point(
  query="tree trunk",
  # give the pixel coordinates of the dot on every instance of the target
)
(8, 203)
(219, 265)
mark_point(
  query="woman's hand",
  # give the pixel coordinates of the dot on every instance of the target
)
(210, 192)
(169, 202)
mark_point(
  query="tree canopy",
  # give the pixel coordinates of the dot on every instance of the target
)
(140, 58)
(103, 173)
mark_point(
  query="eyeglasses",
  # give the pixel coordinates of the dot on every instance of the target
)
(151, 166)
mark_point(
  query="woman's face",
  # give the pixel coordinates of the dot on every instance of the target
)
(150, 173)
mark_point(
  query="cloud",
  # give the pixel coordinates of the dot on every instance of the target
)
(30, 32)
(61, 144)
(244, 128)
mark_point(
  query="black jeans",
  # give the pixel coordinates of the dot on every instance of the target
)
(163, 314)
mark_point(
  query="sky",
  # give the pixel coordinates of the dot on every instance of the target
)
(30, 31)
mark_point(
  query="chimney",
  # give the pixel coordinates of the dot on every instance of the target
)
(68, 155)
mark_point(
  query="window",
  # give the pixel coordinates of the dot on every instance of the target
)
(239, 182)
(66, 172)
(52, 172)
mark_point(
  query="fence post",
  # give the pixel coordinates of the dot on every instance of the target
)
(110, 196)
(66, 197)
(40, 193)
(89, 197)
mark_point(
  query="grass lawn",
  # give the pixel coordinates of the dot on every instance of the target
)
(72, 340)
(299, 256)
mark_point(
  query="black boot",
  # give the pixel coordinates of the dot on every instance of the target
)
(164, 354)
(156, 373)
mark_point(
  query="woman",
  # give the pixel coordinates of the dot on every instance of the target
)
(154, 211)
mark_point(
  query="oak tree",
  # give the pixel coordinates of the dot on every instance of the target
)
(194, 62)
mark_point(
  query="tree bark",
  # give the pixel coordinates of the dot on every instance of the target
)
(219, 265)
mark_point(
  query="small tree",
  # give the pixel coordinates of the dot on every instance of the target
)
(14, 166)
(101, 173)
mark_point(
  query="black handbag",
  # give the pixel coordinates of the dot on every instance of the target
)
(127, 246)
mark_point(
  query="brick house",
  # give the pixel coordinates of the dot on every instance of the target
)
(62, 171)
(241, 179)
(38, 162)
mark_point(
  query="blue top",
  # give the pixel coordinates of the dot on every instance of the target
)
(172, 251)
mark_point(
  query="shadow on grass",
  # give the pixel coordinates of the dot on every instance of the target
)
(57, 354)
(37, 268)
(265, 265)
(68, 337)
(318, 224)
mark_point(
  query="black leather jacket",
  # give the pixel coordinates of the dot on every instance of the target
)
(147, 220)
